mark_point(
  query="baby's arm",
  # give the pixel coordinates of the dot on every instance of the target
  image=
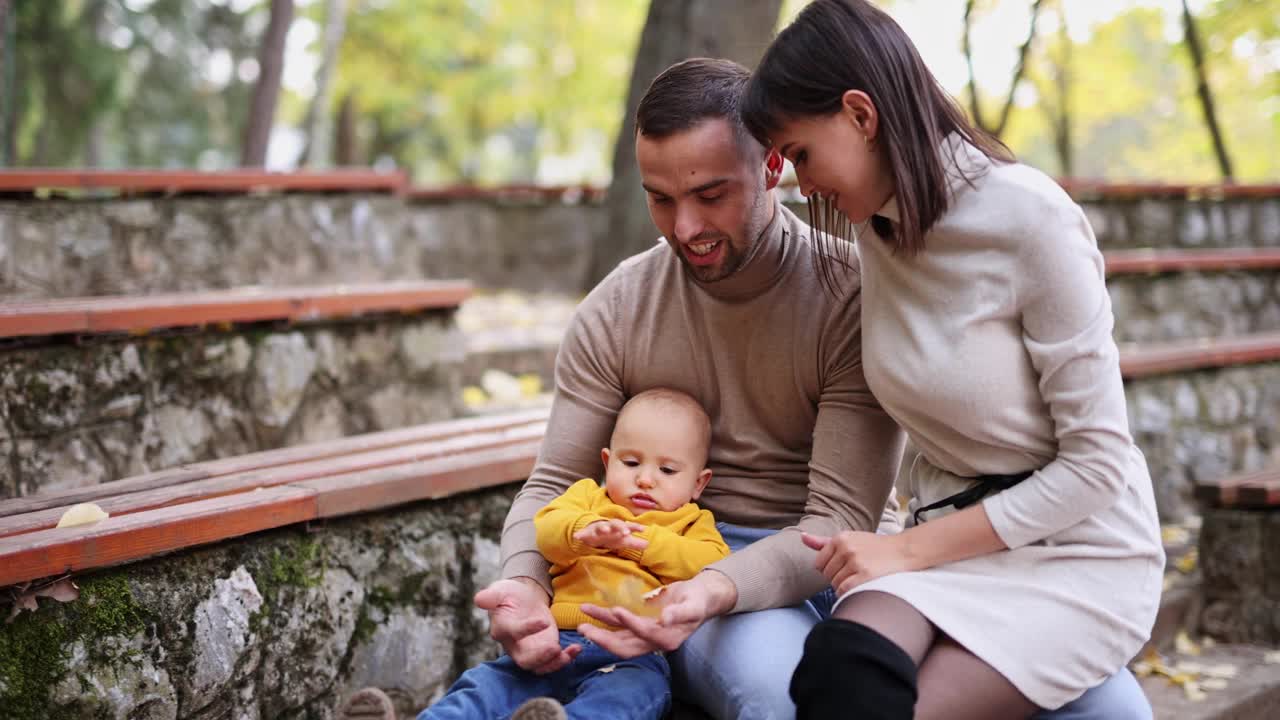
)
(673, 556)
(569, 527)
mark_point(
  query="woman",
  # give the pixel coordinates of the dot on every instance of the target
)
(1032, 568)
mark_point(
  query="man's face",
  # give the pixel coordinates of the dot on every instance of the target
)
(708, 194)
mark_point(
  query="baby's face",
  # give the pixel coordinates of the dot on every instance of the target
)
(657, 460)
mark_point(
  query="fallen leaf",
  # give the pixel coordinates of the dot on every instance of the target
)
(1214, 684)
(1188, 561)
(608, 668)
(1272, 658)
(1223, 672)
(82, 514)
(1194, 692)
(1184, 644)
(473, 396)
(1175, 535)
(63, 591)
(25, 601)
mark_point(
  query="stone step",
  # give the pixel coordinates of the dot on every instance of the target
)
(1253, 693)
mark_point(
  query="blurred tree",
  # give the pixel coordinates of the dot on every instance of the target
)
(1191, 38)
(675, 29)
(7, 81)
(266, 94)
(975, 107)
(486, 91)
(318, 126)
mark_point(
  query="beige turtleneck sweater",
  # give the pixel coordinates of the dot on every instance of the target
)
(798, 440)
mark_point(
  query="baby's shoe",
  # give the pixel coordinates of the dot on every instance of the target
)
(542, 708)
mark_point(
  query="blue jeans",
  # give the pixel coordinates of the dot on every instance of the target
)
(597, 684)
(740, 666)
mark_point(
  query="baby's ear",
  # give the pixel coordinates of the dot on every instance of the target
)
(704, 477)
(604, 457)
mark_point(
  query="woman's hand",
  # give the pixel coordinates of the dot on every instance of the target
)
(612, 535)
(852, 558)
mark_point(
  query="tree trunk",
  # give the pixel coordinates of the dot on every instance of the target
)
(267, 92)
(8, 90)
(319, 127)
(345, 132)
(1018, 70)
(675, 29)
(1062, 121)
(1206, 95)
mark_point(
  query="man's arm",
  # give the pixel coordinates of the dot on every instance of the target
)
(856, 451)
(588, 395)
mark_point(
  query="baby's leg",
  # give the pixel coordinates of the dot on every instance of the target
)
(494, 689)
(635, 689)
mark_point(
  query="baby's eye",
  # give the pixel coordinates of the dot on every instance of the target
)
(630, 463)
(668, 471)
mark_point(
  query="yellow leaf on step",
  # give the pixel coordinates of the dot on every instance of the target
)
(82, 514)
(1187, 562)
(1184, 644)
(530, 385)
(473, 396)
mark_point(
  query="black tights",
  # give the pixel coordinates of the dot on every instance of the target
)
(878, 658)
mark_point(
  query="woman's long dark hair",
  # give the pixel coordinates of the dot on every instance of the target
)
(839, 45)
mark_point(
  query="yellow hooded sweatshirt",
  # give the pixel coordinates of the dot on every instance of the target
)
(681, 543)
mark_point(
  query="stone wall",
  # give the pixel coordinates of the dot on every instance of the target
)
(1179, 306)
(1203, 425)
(282, 624)
(60, 247)
(1241, 575)
(75, 414)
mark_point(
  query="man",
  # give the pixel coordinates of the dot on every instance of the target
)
(732, 310)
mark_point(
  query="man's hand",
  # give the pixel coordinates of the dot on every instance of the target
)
(612, 535)
(685, 606)
(520, 620)
(852, 558)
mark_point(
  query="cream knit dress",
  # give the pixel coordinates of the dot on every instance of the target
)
(993, 350)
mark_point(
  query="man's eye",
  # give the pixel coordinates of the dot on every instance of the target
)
(800, 157)
(659, 200)
(710, 198)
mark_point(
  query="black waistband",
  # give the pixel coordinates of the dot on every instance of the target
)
(984, 486)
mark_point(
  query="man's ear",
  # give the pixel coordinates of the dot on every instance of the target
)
(704, 477)
(772, 168)
(858, 106)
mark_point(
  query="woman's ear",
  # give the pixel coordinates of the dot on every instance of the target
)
(858, 106)
(772, 168)
(704, 477)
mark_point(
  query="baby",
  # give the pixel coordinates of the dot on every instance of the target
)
(610, 545)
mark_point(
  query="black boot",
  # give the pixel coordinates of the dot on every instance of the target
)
(851, 671)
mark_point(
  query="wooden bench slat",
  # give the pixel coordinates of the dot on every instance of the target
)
(143, 534)
(251, 480)
(232, 181)
(1130, 262)
(427, 480)
(1163, 358)
(273, 458)
(150, 312)
(132, 537)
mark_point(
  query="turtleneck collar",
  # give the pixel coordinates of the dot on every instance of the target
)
(763, 266)
(962, 163)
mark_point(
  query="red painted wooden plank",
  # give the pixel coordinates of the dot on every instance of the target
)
(229, 181)
(1145, 361)
(140, 535)
(428, 479)
(151, 312)
(251, 481)
(1129, 262)
(311, 452)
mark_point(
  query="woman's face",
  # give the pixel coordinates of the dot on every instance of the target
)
(836, 155)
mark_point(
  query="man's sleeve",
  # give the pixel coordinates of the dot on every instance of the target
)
(588, 395)
(856, 451)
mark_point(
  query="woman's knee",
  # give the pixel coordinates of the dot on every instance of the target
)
(850, 670)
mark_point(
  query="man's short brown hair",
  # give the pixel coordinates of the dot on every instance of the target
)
(690, 92)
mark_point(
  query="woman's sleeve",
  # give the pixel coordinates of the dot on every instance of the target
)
(1066, 329)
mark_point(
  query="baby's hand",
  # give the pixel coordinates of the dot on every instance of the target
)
(612, 535)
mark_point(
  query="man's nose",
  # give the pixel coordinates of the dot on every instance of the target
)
(806, 187)
(689, 222)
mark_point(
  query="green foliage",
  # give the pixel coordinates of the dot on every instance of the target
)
(479, 91)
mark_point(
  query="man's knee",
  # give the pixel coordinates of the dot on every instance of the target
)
(850, 670)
